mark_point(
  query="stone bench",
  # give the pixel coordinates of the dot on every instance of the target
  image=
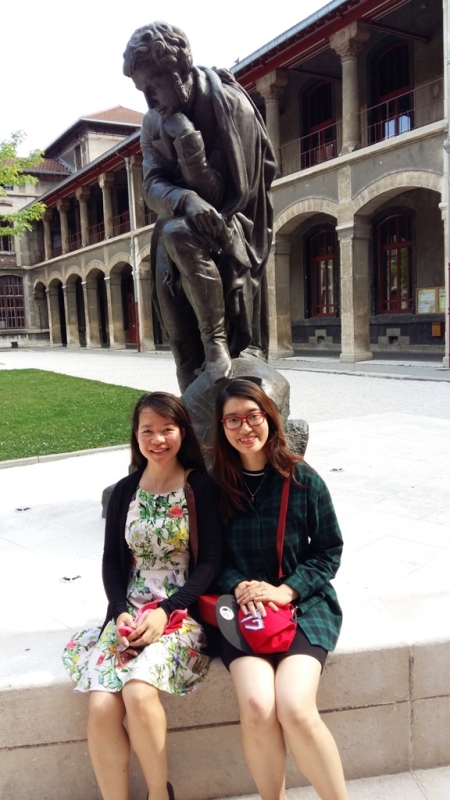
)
(387, 704)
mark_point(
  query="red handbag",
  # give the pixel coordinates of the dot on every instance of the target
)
(273, 633)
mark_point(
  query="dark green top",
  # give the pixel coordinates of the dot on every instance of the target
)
(311, 554)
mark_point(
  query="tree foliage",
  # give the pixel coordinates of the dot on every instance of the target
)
(14, 172)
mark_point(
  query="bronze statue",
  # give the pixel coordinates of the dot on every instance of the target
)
(208, 167)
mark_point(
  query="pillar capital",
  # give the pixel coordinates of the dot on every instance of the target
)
(106, 180)
(83, 193)
(271, 86)
(136, 160)
(354, 229)
(349, 41)
(282, 245)
(47, 215)
(63, 205)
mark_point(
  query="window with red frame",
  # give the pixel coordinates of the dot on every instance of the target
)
(322, 274)
(394, 98)
(394, 243)
(319, 144)
(12, 311)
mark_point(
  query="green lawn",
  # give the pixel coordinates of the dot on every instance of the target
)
(44, 412)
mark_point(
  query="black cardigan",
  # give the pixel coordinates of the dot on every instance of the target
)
(116, 563)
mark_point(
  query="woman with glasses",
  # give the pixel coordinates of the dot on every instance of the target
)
(277, 693)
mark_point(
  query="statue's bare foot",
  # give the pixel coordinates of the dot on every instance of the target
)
(217, 361)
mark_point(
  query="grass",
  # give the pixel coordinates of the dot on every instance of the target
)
(45, 412)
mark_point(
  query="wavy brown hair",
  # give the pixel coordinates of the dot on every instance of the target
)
(227, 468)
(172, 409)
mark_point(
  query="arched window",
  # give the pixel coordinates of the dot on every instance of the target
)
(319, 144)
(394, 248)
(322, 274)
(394, 106)
(12, 311)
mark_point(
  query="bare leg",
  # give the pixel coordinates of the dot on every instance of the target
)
(262, 737)
(312, 745)
(109, 747)
(147, 728)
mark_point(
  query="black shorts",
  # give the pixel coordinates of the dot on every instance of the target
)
(300, 646)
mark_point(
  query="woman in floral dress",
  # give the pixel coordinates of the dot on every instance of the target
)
(147, 558)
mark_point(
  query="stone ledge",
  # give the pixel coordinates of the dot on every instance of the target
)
(384, 716)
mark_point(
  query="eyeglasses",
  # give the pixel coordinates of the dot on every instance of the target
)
(234, 422)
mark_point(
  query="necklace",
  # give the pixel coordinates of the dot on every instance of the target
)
(253, 494)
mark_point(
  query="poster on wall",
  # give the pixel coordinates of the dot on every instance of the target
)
(430, 300)
(426, 301)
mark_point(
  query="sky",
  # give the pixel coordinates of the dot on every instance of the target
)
(62, 61)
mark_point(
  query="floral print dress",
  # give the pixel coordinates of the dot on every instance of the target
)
(157, 533)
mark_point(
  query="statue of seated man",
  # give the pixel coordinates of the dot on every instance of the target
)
(208, 166)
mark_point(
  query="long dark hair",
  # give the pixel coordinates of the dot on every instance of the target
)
(227, 469)
(171, 408)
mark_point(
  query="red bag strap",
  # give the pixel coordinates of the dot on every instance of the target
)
(192, 514)
(282, 523)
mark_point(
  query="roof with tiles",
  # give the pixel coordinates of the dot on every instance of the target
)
(117, 114)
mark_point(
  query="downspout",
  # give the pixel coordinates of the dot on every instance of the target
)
(133, 252)
(446, 359)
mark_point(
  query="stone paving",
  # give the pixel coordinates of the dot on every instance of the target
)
(382, 445)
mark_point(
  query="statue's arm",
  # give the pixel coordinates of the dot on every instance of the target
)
(197, 172)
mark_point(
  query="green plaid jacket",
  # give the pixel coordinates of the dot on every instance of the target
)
(311, 554)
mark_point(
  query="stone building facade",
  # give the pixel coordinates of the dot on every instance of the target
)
(355, 100)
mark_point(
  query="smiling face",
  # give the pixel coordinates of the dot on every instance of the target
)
(159, 90)
(158, 438)
(247, 440)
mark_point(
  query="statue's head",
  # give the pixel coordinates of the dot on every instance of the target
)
(158, 58)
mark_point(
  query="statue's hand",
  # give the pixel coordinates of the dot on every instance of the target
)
(206, 219)
(178, 125)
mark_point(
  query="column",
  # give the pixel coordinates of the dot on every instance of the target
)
(53, 315)
(82, 195)
(47, 234)
(145, 309)
(91, 312)
(106, 181)
(137, 205)
(349, 43)
(354, 238)
(63, 207)
(271, 87)
(280, 331)
(70, 307)
(444, 214)
(113, 285)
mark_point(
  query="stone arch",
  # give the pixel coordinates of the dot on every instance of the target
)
(372, 196)
(144, 254)
(291, 216)
(118, 261)
(72, 275)
(94, 268)
(54, 279)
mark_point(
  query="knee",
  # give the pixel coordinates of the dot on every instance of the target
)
(141, 699)
(256, 711)
(300, 716)
(105, 712)
(177, 236)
